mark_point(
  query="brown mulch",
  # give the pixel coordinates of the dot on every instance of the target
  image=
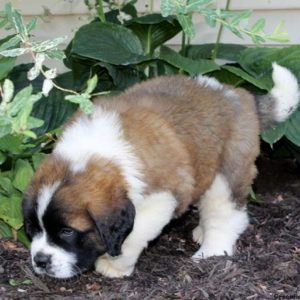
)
(266, 264)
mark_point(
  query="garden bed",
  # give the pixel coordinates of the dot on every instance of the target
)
(266, 264)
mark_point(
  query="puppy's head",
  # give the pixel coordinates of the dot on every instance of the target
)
(72, 218)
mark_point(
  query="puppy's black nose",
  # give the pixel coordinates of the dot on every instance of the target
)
(42, 260)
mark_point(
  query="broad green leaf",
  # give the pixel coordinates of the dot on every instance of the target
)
(239, 72)
(6, 65)
(193, 67)
(5, 230)
(293, 128)
(22, 174)
(6, 185)
(258, 61)
(230, 52)
(2, 158)
(227, 77)
(11, 144)
(274, 134)
(122, 77)
(154, 30)
(109, 43)
(11, 212)
(37, 158)
(20, 100)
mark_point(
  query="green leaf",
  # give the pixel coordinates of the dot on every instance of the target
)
(169, 7)
(154, 30)
(20, 100)
(8, 90)
(258, 61)
(22, 174)
(109, 43)
(14, 52)
(239, 72)
(193, 67)
(47, 45)
(258, 26)
(16, 19)
(6, 185)
(55, 54)
(230, 52)
(5, 230)
(14, 41)
(6, 65)
(91, 84)
(11, 144)
(85, 104)
(53, 109)
(196, 5)
(11, 212)
(293, 128)
(2, 158)
(273, 135)
(22, 237)
(37, 159)
(187, 25)
(31, 25)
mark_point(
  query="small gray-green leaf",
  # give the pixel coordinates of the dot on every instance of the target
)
(12, 42)
(8, 90)
(47, 45)
(91, 84)
(14, 52)
(187, 25)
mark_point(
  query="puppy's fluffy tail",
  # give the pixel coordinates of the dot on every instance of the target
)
(282, 100)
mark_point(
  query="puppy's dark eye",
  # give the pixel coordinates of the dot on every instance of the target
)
(66, 232)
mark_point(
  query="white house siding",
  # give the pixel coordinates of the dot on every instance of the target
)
(63, 17)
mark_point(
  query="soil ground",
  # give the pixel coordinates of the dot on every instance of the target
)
(266, 264)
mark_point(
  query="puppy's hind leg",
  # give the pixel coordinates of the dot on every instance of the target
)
(221, 222)
(155, 211)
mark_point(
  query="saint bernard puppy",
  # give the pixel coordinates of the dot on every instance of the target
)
(118, 176)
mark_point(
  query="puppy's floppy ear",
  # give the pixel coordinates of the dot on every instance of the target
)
(115, 226)
(31, 223)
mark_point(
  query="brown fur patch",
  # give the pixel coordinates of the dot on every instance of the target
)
(99, 190)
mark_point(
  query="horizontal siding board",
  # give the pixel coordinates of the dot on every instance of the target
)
(54, 26)
(66, 7)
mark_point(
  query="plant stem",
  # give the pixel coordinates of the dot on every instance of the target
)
(217, 45)
(59, 87)
(100, 10)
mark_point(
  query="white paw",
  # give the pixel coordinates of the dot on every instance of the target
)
(198, 234)
(206, 251)
(112, 267)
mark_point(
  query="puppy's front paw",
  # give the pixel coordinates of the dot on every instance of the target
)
(207, 251)
(112, 267)
(198, 234)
